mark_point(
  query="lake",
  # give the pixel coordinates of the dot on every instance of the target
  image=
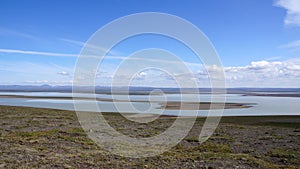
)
(262, 105)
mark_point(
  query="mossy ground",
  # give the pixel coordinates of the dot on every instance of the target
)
(45, 138)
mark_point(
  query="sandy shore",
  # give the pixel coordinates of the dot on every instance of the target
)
(203, 105)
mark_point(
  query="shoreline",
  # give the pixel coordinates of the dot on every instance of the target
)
(169, 105)
(161, 116)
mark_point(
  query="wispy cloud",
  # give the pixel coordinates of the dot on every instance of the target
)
(140, 59)
(293, 11)
(32, 69)
(28, 52)
(292, 46)
(273, 58)
(89, 46)
(9, 32)
(74, 42)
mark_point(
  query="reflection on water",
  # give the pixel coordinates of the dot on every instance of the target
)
(264, 105)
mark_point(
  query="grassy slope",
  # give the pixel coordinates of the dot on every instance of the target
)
(44, 138)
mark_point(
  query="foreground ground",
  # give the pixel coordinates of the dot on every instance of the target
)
(44, 138)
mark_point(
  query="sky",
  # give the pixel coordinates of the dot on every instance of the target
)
(258, 42)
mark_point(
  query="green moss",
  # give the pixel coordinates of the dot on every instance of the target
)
(33, 135)
(76, 131)
(283, 153)
(192, 139)
(216, 148)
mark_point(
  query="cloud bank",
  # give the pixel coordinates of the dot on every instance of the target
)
(256, 74)
(265, 74)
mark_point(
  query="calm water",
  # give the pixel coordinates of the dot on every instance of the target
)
(263, 105)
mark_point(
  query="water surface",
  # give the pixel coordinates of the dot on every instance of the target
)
(263, 105)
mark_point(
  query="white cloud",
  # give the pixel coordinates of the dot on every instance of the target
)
(141, 75)
(293, 11)
(28, 52)
(63, 73)
(266, 67)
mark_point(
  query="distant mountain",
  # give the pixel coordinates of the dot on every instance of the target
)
(134, 89)
(29, 88)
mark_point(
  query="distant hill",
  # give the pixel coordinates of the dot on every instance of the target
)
(134, 89)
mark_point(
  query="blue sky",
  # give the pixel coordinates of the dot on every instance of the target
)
(257, 41)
